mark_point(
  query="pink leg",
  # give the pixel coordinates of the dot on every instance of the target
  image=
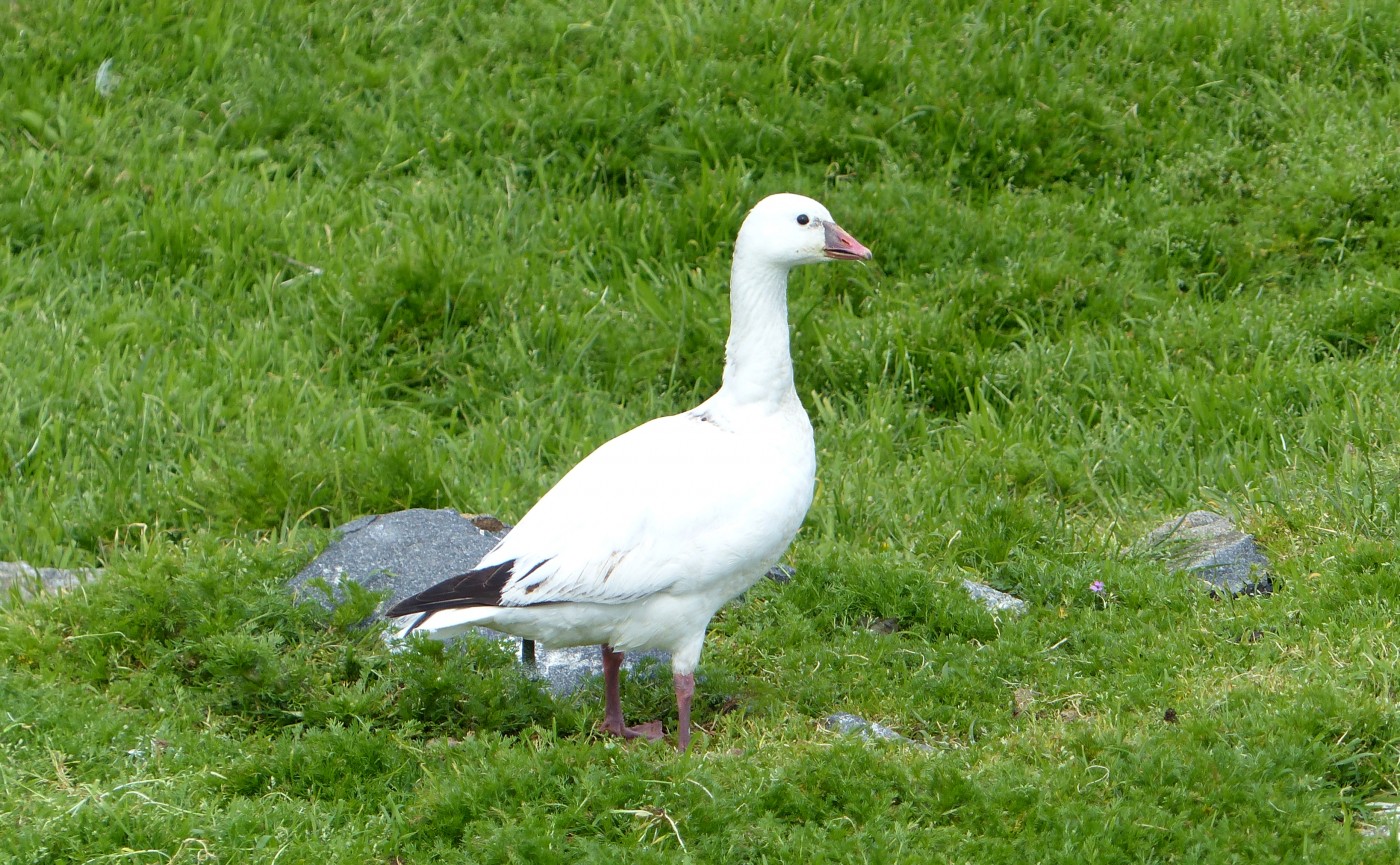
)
(685, 689)
(612, 709)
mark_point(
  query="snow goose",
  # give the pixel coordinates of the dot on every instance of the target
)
(694, 507)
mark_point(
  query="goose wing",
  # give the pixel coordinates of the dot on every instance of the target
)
(677, 500)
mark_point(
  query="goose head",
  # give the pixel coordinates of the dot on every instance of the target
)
(786, 230)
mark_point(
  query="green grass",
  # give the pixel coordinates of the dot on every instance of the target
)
(315, 260)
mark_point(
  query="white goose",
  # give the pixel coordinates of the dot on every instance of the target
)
(695, 507)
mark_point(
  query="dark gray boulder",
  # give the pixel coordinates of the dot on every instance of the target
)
(1208, 545)
(398, 554)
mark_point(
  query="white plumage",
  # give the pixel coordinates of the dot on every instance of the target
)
(644, 540)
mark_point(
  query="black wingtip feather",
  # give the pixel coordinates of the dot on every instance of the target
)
(478, 588)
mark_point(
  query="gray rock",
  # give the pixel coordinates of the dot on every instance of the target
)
(996, 601)
(854, 725)
(1384, 822)
(399, 554)
(884, 626)
(1209, 546)
(569, 669)
(781, 574)
(26, 581)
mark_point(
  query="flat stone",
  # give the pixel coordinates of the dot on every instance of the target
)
(26, 581)
(996, 601)
(1209, 546)
(854, 725)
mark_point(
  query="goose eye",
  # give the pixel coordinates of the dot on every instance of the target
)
(803, 219)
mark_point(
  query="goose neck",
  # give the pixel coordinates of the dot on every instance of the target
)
(758, 360)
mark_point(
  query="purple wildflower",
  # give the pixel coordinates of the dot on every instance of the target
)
(1096, 586)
